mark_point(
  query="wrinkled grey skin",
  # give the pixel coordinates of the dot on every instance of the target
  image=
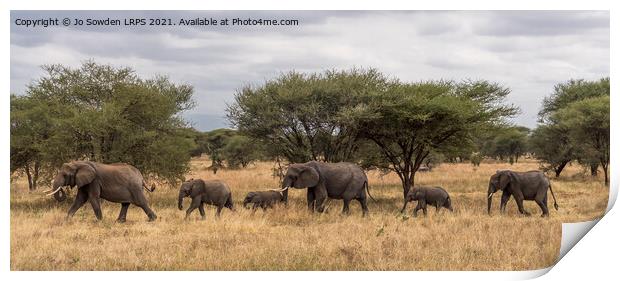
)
(531, 185)
(118, 183)
(434, 196)
(263, 199)
(342, 180)
(211, 192)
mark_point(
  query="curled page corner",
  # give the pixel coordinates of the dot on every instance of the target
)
(572, 233)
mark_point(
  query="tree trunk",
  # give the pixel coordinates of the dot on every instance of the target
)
(559, 169)
(594, 169)
(407, 183)
(605, 166)
(35, 176)
(27, 168)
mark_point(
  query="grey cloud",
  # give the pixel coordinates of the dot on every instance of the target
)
(527, 51)
(541, 23)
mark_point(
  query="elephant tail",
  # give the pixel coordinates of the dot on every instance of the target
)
(147, 189)
(368, 191)
(555, 203)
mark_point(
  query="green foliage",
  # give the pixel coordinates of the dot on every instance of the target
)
(409, 120)
(572, 91)
(588, 124)
(510, 143)
(575, 126)
(227, 145)
(550, 144)
(433, 160)
(240, 151)
(104, 114)
(299, 116)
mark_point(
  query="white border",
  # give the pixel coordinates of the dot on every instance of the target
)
(596, 255)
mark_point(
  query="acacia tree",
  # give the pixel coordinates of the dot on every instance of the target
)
(106, 114)
(588, 124)
(511, 143)
(298, 116)
(555, 144)
(409, 120)
(550, 143)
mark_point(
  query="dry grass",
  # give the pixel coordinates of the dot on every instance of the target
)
(292, 239)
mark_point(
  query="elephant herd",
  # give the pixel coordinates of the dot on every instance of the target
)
(123, 183)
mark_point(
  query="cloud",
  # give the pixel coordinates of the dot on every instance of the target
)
(528, 51)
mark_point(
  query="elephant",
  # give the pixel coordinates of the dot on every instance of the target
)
(118, 183)
(211, 192)
(341, 180)
(434, 196)
(263, 199)
(531, 185)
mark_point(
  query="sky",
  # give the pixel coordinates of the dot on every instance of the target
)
(526, 51)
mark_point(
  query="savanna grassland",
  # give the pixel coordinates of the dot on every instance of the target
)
(293, 239)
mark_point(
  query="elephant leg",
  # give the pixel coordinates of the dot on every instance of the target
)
(542, 203)
(201, 209)
(417, 207)
(147, 210)
(218, 211)
(195, 204)
(311, 199)
(504, 201)
(320, 196)
(520, 205)
(122, 216)
(254, 207)
(345, 206)
(96, 204)
(363, 203)
(80, 200)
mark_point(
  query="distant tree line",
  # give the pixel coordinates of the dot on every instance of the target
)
(108, 114)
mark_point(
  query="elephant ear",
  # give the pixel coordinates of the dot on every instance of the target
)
(504, 180)
(417, 194)
(308, 177)
(196, 186)
(84, 175)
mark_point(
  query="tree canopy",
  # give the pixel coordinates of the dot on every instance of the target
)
(331, 116)
(574, 125)
(299, 115)
(105, 114)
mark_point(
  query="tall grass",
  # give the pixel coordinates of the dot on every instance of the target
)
(290, 238)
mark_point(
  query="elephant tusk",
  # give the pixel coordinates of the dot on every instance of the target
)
(50, 194)
(279, 190)
(491, 195)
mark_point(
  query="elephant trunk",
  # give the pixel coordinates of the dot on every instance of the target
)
(181, 197)
(489, 199)
(285, 196)
(286, 183)
(57, 191)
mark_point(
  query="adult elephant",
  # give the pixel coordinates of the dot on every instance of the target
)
(531, 185)
(342, 180)
(119, 183)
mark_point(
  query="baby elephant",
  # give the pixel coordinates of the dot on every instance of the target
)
(212, 192)
(434, 196)
(263, 199)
